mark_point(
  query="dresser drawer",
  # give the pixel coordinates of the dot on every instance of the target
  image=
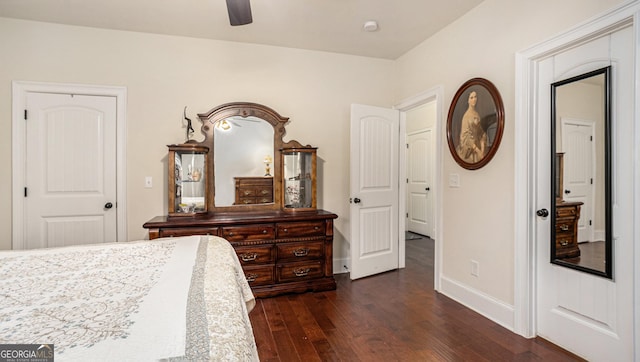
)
(259, 192)
(253, 255)
(564, 226)
(300, 251)
(246, 201)
(248, 232)
(565, 240)
(187, 232)
(259, 275)
(299, 271)
(300, 229)
(568, 212)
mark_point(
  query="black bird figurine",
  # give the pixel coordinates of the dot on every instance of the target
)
(189, 127)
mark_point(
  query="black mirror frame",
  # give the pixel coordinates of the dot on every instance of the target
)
(608, 270)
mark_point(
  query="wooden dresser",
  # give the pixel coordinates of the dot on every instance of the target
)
(253, 190)
(567, 215)
(280, 252)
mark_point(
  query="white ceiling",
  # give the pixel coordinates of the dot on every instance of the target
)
(326, 25)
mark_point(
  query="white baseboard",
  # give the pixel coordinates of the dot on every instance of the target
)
(489, 307)
(599, 235)
(341, 266)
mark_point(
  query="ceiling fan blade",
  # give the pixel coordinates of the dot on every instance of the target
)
(239, 12)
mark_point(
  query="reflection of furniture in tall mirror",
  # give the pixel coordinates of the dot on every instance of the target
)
(566, 217)
(280, 252)
(187, 179)
(581, 172)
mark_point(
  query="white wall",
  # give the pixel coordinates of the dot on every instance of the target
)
(478, 217)
(314, 89)
(163, 74)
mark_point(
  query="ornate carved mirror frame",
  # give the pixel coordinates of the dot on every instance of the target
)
(244, 110)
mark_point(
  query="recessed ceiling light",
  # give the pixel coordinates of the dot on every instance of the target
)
(370, 26)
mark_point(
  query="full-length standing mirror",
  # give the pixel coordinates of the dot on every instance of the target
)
(581, 225)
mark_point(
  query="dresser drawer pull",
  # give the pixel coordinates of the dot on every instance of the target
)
(564, 227)
(246, 201)
(249, 256)
(301, 252)
(231, 233)
(251, 277)
(285, 230)
(316, 228)
(299, 272)
(247, 193)
(564, 242)
(264, 231)
(264, 192)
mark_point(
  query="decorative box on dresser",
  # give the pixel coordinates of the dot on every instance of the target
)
(284, 243)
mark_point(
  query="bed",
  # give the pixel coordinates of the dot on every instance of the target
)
(168, 299)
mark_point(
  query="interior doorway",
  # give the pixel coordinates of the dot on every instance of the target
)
(423, 113)
(420, 137)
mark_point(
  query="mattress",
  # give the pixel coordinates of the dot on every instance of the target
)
(168, 299)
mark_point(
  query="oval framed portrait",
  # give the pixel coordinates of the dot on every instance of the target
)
(475, 123)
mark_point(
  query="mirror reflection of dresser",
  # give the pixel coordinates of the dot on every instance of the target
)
(283, 242)
(253, 190)
(566, 218)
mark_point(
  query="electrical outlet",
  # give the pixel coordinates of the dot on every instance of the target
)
(475, 268)
(148, 182)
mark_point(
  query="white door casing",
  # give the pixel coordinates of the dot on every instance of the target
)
(588, 315)
(578, 145)
(68, 156)
(419, 180)
(374, 190)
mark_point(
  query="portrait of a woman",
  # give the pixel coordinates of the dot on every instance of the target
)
(475, 123)
(473, 138)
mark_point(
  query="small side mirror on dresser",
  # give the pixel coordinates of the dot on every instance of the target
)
(188, 187)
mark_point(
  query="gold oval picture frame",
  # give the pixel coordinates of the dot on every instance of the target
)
(475, 123)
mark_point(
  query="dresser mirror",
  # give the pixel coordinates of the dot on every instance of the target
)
(243, 150)
(581, 219)
(245, 139)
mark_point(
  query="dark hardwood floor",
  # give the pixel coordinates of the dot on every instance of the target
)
(592, 255)
(394, 316)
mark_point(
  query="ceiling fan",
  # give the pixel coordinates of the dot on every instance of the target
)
(239, 12)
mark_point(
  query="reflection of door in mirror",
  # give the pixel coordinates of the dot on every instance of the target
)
(241, 145)
(580, 115)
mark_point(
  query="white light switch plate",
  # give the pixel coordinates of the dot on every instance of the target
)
(454, 180)
(148, 182)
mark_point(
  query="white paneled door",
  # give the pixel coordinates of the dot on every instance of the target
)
(375, 134)
(587, 314)
(419, 180)
(70, 170)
